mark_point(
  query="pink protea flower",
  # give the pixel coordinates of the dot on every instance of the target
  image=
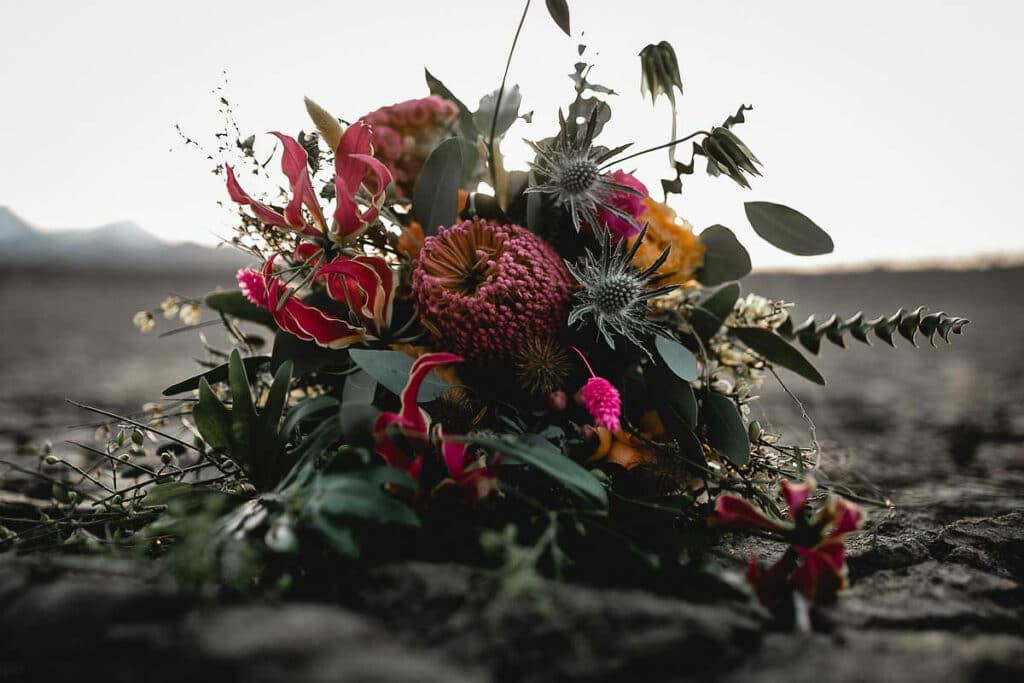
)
(601, 399)
(627, 203)
(486, 289)
(405, 134)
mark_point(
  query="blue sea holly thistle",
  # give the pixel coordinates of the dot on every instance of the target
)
(614, 293)
(570, 168)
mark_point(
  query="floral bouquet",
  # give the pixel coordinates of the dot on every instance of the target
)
(540, 369)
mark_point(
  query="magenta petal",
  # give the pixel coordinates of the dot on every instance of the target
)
(734, 511)
(260, 210)
(796, 495)
(417, 374)
(253, 286)
(294, 165)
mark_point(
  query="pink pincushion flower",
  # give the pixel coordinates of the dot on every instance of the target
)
(486, 289)
(601, 399)
(405, 134)
(626, 202)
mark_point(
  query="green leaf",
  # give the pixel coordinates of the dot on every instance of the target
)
(536, 451)
(559, 11)
(724, 257)
(357, 424)
(217, 374)
(788, 229)
(507, 115)
(677, 357)
(243, 413)
(307, 356)
(391, 370)
(359, 388)
(435, 198)
(212, 419)
(306, 409)
(277, 400)
(466, 125)
(339, 539)
(778, 351)
(236, 305)
(710, 314)
(343, 496)
(725, 428)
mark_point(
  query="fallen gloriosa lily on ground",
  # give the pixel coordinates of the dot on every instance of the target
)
(815, 563)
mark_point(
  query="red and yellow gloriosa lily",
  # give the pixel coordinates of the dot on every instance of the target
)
(417, 440)
(355, 168)
(815, 564)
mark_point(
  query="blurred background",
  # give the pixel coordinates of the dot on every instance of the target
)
(892, 125)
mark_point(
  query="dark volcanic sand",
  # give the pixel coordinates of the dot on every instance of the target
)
(937, 594)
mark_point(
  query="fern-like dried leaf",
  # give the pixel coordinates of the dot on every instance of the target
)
(907, 324)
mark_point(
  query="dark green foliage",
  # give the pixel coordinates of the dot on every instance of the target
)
(235, 304)
(788, 229)
(559, 11)
(725, 258)
(777, 351)
(248, 437)
(725, 429)
(215, 375)
(435, 198)
(907, 324)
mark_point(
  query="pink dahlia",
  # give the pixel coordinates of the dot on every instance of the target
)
(626, 202)
(486, 289)
(405, 133)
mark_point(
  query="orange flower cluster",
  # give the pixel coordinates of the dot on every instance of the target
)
(666, 229)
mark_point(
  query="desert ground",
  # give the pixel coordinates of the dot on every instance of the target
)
(936, 588)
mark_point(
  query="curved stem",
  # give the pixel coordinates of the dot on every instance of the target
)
(501, 93)
(585, 361)
(671, 143)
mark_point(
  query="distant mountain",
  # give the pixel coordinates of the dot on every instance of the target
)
(121, 244)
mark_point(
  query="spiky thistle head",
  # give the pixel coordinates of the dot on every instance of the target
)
(614, 293)
(542, 365)
(570, 167)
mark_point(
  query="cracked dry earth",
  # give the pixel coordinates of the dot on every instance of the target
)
(937, 589)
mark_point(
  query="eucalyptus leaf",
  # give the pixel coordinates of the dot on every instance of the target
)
(724, 257)
(778, 351)
(711, 312)
(507, 114)
(435, 198)
(391, 370)
(725, 428)
(359, 388)
(677, 357)
(559, 11)
(788, 229)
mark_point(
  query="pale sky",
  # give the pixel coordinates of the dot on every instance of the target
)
(894, 124)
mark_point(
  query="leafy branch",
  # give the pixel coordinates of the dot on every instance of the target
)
(905, 323)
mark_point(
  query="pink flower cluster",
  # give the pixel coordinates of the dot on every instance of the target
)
(405, 134)
(486, 289)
